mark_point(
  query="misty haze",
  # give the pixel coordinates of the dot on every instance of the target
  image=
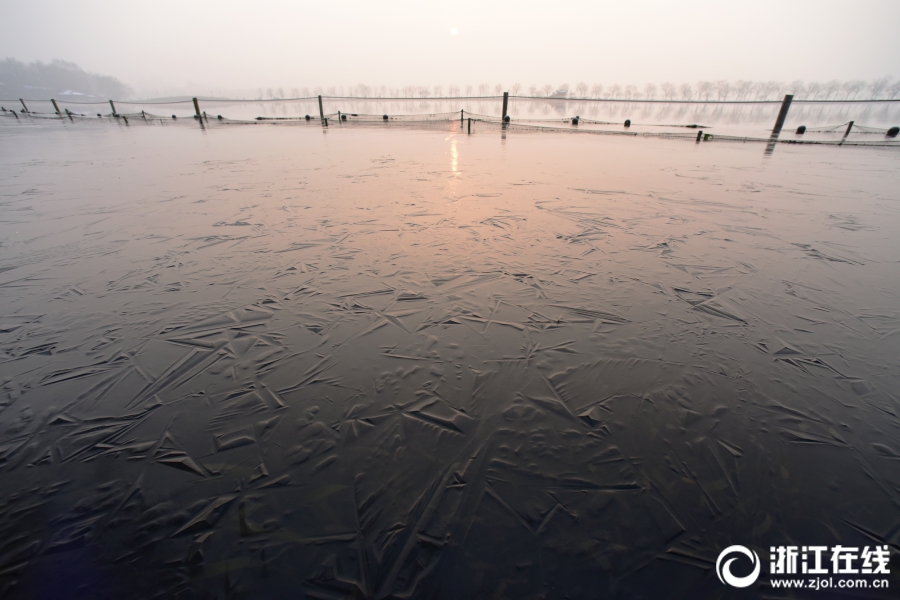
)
(485, 300)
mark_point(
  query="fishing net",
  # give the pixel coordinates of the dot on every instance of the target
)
(729, 121)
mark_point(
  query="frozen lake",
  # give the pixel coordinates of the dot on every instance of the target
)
(272, 361)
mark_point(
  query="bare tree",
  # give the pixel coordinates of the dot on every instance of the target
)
(498, 89)
(797, 88)
(532, 90)
(650, 91)
(615, 91)
(581, 89)
(877, 87)
(468, 90)
(893, 90)
(813, 90)
(547, 89)
(722, 88)
(483, 89)
(832, 88)
(631, 91)
(704, 88)
(515, 88)
(852, 88)
(596, 90)
(438, 91)
(668, 90)
(687, 92)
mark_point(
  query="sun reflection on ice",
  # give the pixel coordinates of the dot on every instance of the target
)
(454, 155)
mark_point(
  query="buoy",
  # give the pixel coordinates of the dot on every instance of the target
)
(196, 116)
(801, 130)
(893, 131)
(384, 117)
(306, 117)
(627, 122)
(174, 117)
(506, 119)
(343, 117)
(219, 117)
(575, 120)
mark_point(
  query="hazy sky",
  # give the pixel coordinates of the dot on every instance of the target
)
(203, 47)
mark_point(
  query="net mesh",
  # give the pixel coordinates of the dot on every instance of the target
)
(736, 121)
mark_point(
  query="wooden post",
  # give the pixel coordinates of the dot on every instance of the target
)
(55, 106)
(849, 127)
(23, 104)
(461, 111)
(505, 104)
(321, 112)
(782, 114)
(470, 125)
(699, 135)
(196, 107)
(114, 108)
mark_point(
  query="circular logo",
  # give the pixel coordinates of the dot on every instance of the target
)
(723, 569)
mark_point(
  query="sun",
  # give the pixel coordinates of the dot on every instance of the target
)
(453, 31)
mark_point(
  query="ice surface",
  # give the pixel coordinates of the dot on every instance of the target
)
(269, 362)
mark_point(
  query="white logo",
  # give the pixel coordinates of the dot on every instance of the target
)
(724, 570)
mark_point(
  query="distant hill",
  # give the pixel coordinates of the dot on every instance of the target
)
(58, 79)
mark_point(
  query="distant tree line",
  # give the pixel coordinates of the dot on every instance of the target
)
(40, 80)
(881, 89)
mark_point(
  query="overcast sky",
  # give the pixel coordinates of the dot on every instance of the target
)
(204, 47)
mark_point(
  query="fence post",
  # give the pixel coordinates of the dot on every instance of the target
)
(699, 136)
(55, 106)
(470, 124)
(505, 105)
(321, 112)
(782, 114)
(114, 108)
(849, 127)
(196, 107)
(461, 111)
(23, 105)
